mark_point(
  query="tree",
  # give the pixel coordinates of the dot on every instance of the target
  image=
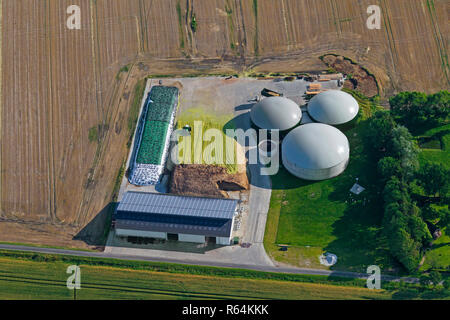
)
(430, 213)
(402, 146)
(434, 179)
(405, 249)
(388, 167)
(444, 219)
(446, 284)
(402, 224)
(408, 108)
(417, 227)
(435, 277)
(438, 105)
(379, 130)
(424, 280)
(414, 109)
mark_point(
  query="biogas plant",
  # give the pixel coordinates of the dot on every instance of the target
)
(312, 148)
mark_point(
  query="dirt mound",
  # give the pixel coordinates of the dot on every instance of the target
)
(359, 78)
(206, 180)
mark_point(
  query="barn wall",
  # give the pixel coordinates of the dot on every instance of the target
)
(139, 233)
(191, 238)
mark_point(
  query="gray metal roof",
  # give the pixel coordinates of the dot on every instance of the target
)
(276, 113)
(333, 107)
(166, 204)
(315, 146)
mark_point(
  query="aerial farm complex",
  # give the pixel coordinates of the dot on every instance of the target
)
(282, 136)
(311, 149)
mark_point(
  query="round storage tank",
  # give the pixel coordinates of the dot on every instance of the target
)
(333, 107)
(276, 113)
(315, 151)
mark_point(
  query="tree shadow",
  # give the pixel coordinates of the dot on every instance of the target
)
(417, 130)
(359, 241)
(440, 245)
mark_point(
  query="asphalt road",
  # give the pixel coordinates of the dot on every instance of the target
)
(214, 264)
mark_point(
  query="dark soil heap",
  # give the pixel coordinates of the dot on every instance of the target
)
(360, 79)
(206, 180)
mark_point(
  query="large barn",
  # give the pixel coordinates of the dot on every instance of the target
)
(315, 151)
(172, 217)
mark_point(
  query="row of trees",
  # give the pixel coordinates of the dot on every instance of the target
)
(404, 222)
(404, 228)
(415, 109)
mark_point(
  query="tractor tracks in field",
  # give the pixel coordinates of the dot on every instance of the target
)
(241, 34)
(285, 22)
(337, 23)
(49, 116)
(440, 42)
(390, 38)
(112, 116)
(143, 18)
(95, 56)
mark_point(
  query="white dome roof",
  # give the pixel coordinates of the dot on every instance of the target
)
(333, 107)
(315, 146)
(276, 113)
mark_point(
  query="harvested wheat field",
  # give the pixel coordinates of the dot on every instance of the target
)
(66, 95)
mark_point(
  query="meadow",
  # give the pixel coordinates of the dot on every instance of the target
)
(25, 279)
(318, 217)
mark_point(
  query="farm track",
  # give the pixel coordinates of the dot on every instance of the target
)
(59, 83)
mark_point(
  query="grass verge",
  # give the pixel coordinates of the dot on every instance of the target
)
(26, 279)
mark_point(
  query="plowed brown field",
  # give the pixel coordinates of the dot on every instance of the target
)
(58, 83)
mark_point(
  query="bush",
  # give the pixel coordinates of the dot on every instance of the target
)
(93, 134)
(194, 23)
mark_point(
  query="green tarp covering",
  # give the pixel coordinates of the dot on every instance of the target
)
(161, 104)
(164, 100)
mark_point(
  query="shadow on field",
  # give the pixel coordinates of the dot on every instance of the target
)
(96, 231)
